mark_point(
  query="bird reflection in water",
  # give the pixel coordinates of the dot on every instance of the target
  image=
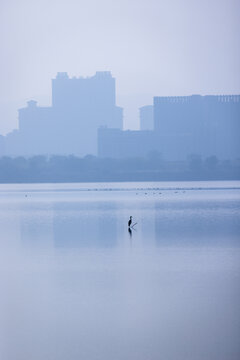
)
(130, 232)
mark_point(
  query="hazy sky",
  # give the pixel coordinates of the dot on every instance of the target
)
(152, 47)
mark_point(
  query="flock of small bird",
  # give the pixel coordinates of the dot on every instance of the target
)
(130, 226)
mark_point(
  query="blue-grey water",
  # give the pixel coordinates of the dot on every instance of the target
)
(75, 284)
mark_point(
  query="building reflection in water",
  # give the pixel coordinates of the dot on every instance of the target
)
(195, 222)
(36, 225)
(85, 224)
(69, 224)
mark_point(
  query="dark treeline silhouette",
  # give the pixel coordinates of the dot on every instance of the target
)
(94, 169)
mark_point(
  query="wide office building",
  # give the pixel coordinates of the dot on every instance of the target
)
(183, 126)
(210, 124)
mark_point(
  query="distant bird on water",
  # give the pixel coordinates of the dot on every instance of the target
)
(130, 221)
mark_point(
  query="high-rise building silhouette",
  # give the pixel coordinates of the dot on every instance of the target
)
(79, 107)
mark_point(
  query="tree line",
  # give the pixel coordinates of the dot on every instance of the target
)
(90, 169)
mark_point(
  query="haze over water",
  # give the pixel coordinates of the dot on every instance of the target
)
(76, 284)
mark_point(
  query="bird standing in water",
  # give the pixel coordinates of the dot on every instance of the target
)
(130, 221)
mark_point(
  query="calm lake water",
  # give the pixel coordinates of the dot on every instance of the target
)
(75, 284)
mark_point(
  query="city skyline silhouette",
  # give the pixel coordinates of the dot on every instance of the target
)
(84, 119)
(153, 48)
